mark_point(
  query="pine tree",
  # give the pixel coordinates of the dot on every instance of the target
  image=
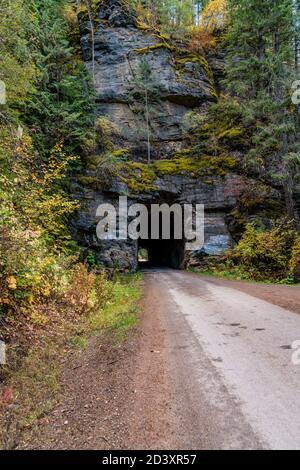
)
(177, 16)
(260, 73)
(88, 4)
(62, 108)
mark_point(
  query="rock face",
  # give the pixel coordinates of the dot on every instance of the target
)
(120, 48)
(184, 85)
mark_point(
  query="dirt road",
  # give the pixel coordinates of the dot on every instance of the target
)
(209, 367)
(230, 361)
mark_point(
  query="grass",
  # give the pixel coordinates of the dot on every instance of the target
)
(36, 385)
(120, 313)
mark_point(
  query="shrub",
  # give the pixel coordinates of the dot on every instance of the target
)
(295, 259)
(267, 254)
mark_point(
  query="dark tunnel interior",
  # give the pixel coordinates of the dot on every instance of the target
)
(162, 253)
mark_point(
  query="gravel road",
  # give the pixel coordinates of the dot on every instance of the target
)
(228, 361)
(208, 367)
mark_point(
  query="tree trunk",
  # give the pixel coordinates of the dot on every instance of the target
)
(289, 194)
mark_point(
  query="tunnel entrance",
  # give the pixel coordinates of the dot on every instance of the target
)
(161, 252)
(143, 257)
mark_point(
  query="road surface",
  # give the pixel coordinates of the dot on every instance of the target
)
(227, 360)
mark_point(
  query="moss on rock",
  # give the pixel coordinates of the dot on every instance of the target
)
(196, 167)
(142, 177)
(160, 45)
(231, 134)
(91, 181)
(120, 153)
(139, 177)
(189, 58)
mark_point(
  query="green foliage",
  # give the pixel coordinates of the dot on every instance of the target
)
(121, 313)
(105, 130)
(221, 130)
(141, 177)
(17, 68)
(266, 254)
(259, 73)
(294, 262)
(35, 247)
(61, 109)
(175, 16)
(49, 102)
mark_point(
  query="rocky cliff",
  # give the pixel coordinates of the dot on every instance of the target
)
(184, 84)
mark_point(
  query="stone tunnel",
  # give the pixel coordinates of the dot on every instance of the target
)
(184, 88)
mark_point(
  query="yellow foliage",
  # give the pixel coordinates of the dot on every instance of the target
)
(12, 283)
(214, 15)
(295, 259)
(33, 210)
(268, 254)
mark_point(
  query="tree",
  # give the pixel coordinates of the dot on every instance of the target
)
(213, 15)
(17, 68)
(177, 16)
(259, 73)
(62, 108)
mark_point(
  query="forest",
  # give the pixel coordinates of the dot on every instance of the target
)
(54, 290)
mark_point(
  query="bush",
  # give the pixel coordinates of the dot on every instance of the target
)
(42, 284)
(295, 259)
(267, 254)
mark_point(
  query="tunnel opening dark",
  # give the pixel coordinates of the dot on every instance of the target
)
(168, 253)
(163, 253)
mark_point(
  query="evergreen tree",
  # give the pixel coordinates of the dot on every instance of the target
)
(62, 108)
(260, 73)
(177, 16)
(88, 4)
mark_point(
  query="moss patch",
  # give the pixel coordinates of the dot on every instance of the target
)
(142, 178)
(196, 167)
(146, 50)
(232, 133)
(91, 181)
(120, 153)
(139, 177)
(194, 59)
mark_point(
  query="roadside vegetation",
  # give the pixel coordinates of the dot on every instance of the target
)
(94, 305)
(52, 296)
(262, 255)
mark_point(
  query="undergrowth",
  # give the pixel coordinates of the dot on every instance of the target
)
(33, 390)
(264, 255)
